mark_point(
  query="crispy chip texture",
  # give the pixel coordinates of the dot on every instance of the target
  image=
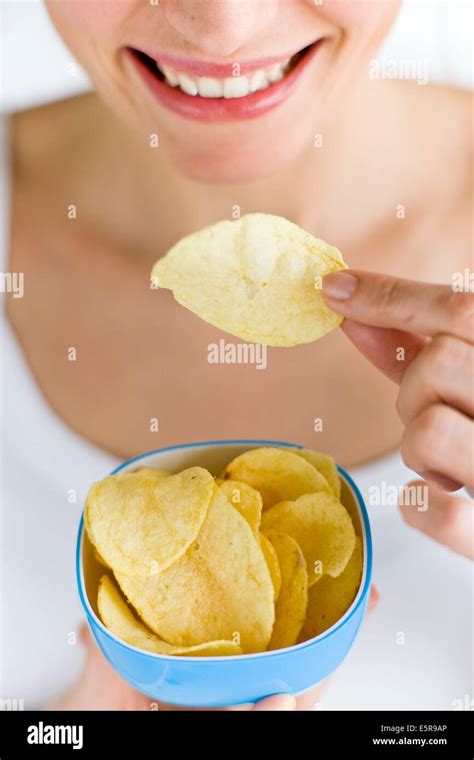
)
(293, 598)
(220, 589)
(119, 618)
(140, 522)
(325, 465)
(279, 474)
(322, 528)
(271, 558)
(258, 278)
(330, 598)
(245, 499)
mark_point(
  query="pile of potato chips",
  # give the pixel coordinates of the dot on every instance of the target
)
(258, 277)
(259, 559)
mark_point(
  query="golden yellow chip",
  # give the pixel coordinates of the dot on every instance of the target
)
(140, 523)
(258, 278)
(292, 602)
(271, 558)
(330, 598)
(120, 619)
(245, 499)
(220, 589)
(279, 474)
(322, 528)
(325, 465)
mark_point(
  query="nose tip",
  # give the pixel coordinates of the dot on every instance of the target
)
(219, 28)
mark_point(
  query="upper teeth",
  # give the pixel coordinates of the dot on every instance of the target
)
(231, 87)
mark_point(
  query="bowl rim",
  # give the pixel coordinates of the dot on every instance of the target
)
(360, 598)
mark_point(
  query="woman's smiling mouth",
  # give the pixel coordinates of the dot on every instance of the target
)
(229, 87)
(207, 91)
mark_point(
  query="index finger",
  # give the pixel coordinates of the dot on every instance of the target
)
(416, 307)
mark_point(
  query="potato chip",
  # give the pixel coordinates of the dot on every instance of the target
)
(325, 465)
(220, 589)
(330, 598)
(245, 499)
(140, 523)
(321, 526)
(258, 278)
(292, 602)
(279, 474)
(271, 558)
(119, 618)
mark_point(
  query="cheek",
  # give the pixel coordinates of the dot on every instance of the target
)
(95, 16)
(92, 30)
(359, 14)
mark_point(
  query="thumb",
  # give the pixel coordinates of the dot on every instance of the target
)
(391, 351)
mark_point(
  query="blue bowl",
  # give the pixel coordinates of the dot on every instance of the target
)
(222, 681)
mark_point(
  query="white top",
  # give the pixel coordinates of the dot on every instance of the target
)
(413, 653)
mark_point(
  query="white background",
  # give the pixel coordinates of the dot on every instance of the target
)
(36, 67)
(425, 589)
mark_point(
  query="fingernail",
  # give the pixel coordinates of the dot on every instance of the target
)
(340, 285)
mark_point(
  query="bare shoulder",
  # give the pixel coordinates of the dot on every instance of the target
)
(428, 96)
(47, 148)
(42, 138)
(52, 148)
(451, 110)
(442, 117)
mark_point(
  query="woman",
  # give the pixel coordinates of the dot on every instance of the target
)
(203, 110)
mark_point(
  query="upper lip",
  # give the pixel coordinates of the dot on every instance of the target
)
(218, 70)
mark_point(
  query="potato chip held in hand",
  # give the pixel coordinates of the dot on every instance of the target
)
(258, 278)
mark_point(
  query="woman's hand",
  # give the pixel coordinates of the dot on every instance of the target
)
(421, 336)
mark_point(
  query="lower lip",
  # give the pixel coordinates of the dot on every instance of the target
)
(223, 109)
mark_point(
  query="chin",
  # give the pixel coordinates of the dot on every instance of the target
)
(236, 157)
